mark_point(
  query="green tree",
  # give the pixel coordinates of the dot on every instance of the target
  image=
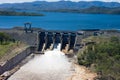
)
(4, 37)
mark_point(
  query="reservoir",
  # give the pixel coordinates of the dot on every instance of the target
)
(64, 21)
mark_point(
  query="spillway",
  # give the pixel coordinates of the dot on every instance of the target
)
(47, 40)
(53, 65)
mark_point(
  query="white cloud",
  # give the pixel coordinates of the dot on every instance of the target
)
(99, 0)
(20, 1)
(15, 1)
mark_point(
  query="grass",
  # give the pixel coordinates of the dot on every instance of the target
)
(4, 48)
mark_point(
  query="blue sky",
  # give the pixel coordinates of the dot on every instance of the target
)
(20, 1)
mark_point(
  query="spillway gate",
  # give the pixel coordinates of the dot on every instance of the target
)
(47, 40)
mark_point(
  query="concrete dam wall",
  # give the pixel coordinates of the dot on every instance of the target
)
(49, 40)
(10, 64)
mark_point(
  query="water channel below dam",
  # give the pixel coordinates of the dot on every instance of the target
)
(53, 65)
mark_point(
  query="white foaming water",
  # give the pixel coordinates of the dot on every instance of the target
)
(53, 65)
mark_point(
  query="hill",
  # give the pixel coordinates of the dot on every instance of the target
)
(43, 5)
(65, 6)
(91, 10)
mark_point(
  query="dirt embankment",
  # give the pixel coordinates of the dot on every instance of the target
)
(13, 51)
(82, 73)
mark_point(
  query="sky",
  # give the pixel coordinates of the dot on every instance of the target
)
(20, 1)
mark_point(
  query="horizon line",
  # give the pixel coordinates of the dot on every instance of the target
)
(59, 1)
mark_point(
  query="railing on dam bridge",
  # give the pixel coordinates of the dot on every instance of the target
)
(47, 40)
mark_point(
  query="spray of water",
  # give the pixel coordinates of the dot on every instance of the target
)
(53, 65)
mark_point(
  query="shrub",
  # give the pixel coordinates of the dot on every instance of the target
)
(106, 57)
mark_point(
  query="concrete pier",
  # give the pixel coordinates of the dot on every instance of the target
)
(42, 40)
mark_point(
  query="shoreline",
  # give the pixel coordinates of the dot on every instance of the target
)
(39, 28)
(15, 13)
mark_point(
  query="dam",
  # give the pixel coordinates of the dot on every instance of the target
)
(58, 47)
(48, 40)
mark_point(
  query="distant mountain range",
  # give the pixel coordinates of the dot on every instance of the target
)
(62, 6)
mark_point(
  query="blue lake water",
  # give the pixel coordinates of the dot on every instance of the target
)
(64, 21)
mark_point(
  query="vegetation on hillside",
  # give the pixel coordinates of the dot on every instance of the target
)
(9, 47)
(104, 56)
(13, 13)
(5, 48)
(93, 7)
(6, 42)
(91, 10)
(5, 38)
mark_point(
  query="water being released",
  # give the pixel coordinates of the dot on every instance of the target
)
(57, 47)
(53, 65)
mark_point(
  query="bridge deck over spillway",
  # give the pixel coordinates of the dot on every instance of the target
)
(47, 40)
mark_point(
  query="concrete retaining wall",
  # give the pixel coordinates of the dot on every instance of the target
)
(16, 60)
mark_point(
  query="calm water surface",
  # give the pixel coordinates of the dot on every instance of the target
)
(64, 21)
